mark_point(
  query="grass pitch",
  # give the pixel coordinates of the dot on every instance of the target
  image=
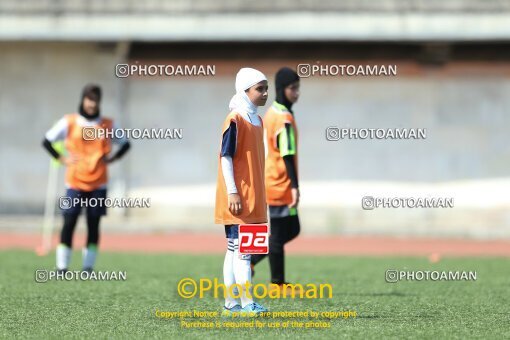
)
(115, 309)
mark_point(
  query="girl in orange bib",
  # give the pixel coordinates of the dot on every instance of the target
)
(240, 190)
(86, 173)
(281, 177)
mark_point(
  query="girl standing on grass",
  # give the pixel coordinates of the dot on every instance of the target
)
(281, 174)
(240, 190)
(86, 173)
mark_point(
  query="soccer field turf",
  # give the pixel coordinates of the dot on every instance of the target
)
(125, 309)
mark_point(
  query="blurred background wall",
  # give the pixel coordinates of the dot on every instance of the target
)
(453, 62)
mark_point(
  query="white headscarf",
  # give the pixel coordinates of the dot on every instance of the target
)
(246, 78)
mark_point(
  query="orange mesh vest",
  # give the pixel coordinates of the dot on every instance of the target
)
(248, 163)
(90, 171)
(278, 188)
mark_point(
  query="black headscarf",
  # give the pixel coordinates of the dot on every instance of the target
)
(92, 92)
(284, 77)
